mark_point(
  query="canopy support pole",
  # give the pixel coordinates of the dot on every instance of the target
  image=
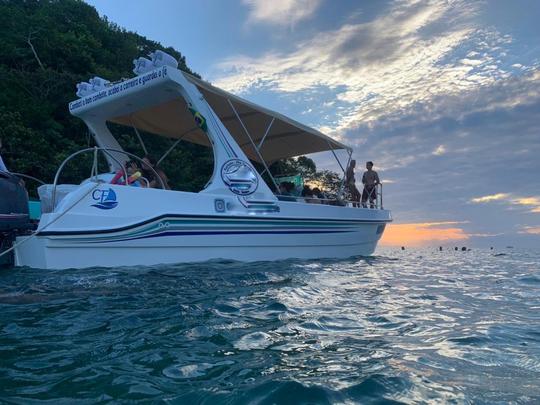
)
(139, 136)
(334, 153)
(253, 144)
(264, 137)
(342, 186)
(173, 146)
(266, 133)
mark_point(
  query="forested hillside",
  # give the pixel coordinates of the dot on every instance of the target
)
(49, 46)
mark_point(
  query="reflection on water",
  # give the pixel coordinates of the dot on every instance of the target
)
(413, 326)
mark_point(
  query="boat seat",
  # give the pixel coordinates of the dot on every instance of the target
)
(46, 195)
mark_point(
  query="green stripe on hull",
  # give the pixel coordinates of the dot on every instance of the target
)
(223, 225)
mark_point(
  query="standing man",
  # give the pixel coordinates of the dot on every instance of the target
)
(370, 179)
(351, 184)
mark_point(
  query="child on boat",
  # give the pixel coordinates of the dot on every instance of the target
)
(134, 173)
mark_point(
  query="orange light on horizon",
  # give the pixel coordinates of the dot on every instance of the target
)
(421, 234)
(532, 230)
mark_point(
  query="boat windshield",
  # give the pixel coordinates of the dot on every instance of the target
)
(184, 166)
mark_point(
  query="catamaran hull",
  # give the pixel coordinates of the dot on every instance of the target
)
(48, 253)
(190, 229)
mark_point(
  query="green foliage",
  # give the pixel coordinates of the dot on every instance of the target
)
(48, 47)
(306, 167)
(71, 43)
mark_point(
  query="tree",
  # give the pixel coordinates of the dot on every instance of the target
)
(47, 48)
(302, 165)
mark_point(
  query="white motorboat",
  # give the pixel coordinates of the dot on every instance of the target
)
(236, 216)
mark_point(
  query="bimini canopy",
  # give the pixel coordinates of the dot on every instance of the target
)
(283, 137)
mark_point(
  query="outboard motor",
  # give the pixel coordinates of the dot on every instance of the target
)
(14, 217)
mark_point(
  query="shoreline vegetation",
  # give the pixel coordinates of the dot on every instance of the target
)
(47, 48)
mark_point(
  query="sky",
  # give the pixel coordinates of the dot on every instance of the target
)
(443, 96)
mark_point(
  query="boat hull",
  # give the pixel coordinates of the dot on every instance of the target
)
(246, 245)
(188, 233)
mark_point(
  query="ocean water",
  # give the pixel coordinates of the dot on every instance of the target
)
(414, 326)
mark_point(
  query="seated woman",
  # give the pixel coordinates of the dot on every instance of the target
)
(148, 173)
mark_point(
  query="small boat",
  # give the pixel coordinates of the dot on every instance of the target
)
(236, 216)
(14, 209)
(14, 214)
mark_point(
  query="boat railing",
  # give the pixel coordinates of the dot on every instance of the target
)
(94, 170)
(378, 200)
(26, 176)
(374, 199)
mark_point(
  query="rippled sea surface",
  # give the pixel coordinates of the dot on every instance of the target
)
(418, 326)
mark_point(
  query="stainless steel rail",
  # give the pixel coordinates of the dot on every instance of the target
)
(105, 151)
(26, 176)
(377, 202)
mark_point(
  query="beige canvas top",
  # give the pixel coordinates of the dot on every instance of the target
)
(286, 138)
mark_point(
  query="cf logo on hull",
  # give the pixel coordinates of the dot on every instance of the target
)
(105, 199)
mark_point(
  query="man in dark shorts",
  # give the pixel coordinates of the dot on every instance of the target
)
(350, 183)
(370, 179)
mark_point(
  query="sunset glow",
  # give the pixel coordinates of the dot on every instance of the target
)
(422, 234)
(531, 230)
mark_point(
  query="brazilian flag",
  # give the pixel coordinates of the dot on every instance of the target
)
(199, 119)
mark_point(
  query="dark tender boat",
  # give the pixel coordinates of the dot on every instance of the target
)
(14, 216)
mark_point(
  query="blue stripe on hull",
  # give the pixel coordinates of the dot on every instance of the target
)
(313, 222)
(206, 233)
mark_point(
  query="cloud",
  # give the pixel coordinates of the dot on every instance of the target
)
(441, 150)
(527, 201)
(485, 235)
(489, 198)
(443, 223)
(428, 92)
(492, 160)
(531, 230)
(280, 12)
(405, 58)
(533, 202)
(421, 234)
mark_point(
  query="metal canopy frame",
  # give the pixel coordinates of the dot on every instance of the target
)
(261, 144)
(337, 160)
(255, 147)
(258, 147)
(138, 136)
(266, 133)
(166, 153)
(345, 171)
